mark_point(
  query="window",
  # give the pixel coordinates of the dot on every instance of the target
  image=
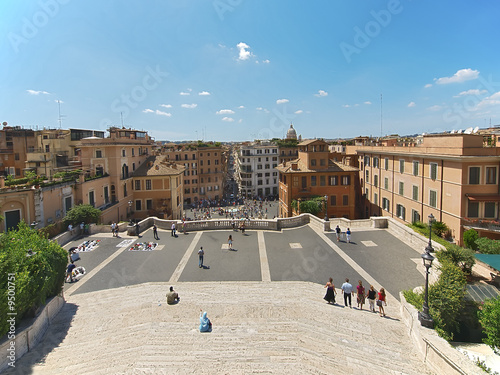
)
(433, 198)
(333, 200)
(149, 204)
(148, 184)
(490, 209)
(473, 209)
(402, 166)
(375, 180)
(345, 200)
(123, 153)
(322, 180)
(346, 180)
(400, 211)
(386, 164)
(295, 181)
(313, 162)
(47, 148)
(367, 161)
(333, 180)
(98, 153)
(137, 185)
(304, 182)
(386, 183)
(415, 168)
(313, 180)
(474, 174)
(385, 204)
(375, 162)
(433, 170)
(415, 192)
(375, 198)
(401, 188)
(415, 216)
(367, 176)
(322, 162)
(91, 198)
(491, 175)
(133, 152)
(138, 205)
(259, 166)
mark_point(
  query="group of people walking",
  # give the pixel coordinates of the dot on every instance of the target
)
(362, 294)
(338, 232)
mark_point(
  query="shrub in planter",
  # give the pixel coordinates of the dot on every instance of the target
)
(489, 317)
(470, 237)
(439, 228)
(459, 256)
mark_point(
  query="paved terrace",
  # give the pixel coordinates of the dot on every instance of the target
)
(264, 298)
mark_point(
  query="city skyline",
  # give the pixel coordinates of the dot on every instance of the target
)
(235, 70)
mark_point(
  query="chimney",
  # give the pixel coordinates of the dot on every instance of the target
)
(294, 166)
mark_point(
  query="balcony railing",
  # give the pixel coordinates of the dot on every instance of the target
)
(488, 224)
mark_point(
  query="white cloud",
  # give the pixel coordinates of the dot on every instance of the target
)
(461, 75)
(411, 104)
(204, 93)
(189, 105)
(266, 61)
(321, 93)
(282, 101)
(298, 112)
(243, 53)
(228, 119)
(259, 108)
(58, 101)
(490, 100)
(166, 105)
(240, 121)
(157, 112)
(34, 92)
(345, 105)
(428, 85)
(183, 93)
(435, 108)
(368, 102)
(225, 112)
(241, 107)
(475, 92)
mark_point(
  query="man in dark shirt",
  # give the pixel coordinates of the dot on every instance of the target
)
(69, 271)
(172, 296)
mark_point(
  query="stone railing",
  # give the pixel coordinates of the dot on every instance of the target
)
(436, 352)
(29, 337)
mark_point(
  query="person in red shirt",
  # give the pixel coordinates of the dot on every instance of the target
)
(381, 301)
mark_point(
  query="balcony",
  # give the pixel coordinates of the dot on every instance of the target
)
(483, 224)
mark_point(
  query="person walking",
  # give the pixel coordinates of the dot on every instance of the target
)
(348, 235)
(360, 289)
(155, 232)
(113, 225)
(337, 231)
(371, 296)
(347, 291)
(330, 291)
(230, 242)
(173, 230)
(381, 302)
(201, 253)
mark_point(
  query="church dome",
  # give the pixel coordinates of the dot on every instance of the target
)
(291, 133)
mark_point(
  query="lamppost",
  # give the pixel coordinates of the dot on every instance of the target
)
(429, 248)
(424, 316)
(326, 207)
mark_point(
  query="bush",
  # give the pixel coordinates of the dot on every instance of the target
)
(446, 300)
(439, 228)
(415, 299)
(470, 238)
(459, 256)
(35, 277)
(310, 207)
(489, 317)
(85, 213)
(488, 246)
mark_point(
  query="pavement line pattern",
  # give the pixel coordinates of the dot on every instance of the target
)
(182, 264)
(351, 262)
(264, 263)
(92, 273)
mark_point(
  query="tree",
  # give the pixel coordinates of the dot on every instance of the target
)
(439, 228)
(488, 246)
(470, 238)
(82, 213)
(459, 256)
(489, 317)
(310, 206)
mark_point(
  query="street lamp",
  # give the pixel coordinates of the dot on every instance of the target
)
(326, 207)
(429, 248)
(423, 316)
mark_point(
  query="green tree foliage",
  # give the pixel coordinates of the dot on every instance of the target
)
(310, 206)
(488, 246)
(415, 299)
(82, 213)
(439, 228)
(446, 300)
(35, 277)
(470, 238)
(459, 256)
(489, 317)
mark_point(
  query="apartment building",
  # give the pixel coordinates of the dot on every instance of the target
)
(205, 170)
(315, 174)
(255, 171)
(452, 176)
(15, 143)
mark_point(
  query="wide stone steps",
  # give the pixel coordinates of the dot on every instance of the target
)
(259, 328)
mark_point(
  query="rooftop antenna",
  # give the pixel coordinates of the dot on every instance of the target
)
(60, 116)
(381, 115)
(121, 116)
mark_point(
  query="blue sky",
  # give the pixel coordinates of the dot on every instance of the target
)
(245, 69)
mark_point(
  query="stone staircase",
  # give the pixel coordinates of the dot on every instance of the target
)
(259, 328)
